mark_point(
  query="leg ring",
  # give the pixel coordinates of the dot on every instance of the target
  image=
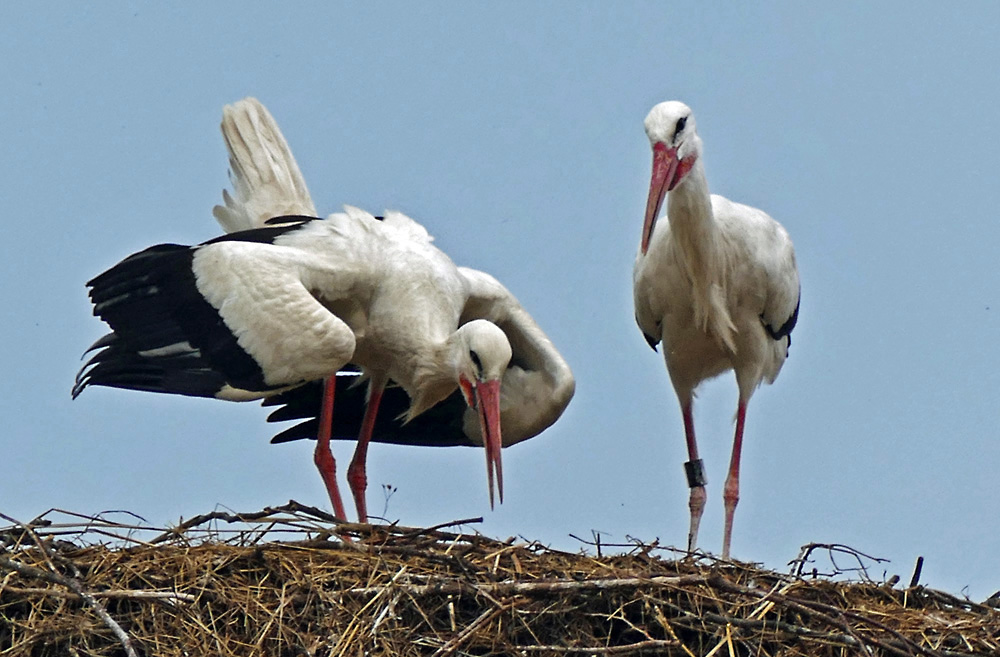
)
(695, 471)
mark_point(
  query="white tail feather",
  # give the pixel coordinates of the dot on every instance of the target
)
(266, 179)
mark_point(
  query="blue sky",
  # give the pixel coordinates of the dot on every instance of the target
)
(513, 132)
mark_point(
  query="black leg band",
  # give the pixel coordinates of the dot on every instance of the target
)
(695, 471)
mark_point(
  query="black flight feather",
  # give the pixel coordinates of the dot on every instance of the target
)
(439, 426)
(166, 336)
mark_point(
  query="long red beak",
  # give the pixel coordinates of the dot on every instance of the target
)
(663, 180)
(488, 404)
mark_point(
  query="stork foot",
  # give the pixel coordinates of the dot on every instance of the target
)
(323, 457)
(731, 495)
(358, 480)
(697, 505)
(327, 467)
(356, 475)
(731, 492)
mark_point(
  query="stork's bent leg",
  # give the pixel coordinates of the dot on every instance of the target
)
(323, 457)
(356, 475)
(731, 494)
(695, 476)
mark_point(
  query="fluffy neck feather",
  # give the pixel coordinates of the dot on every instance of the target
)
(700, 247)
(434, 377)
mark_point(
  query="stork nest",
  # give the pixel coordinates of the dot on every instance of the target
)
(292, 580)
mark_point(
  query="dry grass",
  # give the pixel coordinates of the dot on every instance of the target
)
(284, 581)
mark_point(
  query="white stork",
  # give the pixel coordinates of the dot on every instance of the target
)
(286, 300)
(716, 284)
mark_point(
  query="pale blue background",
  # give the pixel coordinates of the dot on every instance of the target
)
(513, 131)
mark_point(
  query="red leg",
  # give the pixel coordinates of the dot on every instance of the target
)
(356, 475)
(731, 493)
(695, 476)
(323, 457)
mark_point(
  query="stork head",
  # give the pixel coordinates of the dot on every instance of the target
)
(482, 358)
(676, 147)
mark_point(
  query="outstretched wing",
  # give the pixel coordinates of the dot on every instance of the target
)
(538, 384)
(266, 179)
(236, 318)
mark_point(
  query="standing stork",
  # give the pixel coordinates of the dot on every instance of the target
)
(716, 284)
(285, 300)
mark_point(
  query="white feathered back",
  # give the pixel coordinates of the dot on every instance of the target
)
(399, 221)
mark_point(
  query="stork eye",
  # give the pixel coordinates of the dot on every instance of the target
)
(681, 122)
(478, 363)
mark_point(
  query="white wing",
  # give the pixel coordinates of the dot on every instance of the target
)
(238, 318)
(265, 177)
(538, 384)
(269, 297)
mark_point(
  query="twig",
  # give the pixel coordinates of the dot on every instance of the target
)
(917, 567)
(508, 588)
(488, 615)
(433, 529)
(169, 596)
(651, 644)
(832, 548)
(227, 516)
(953, 601)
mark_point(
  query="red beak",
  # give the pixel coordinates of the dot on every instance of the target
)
(663, 180)
(488, 404)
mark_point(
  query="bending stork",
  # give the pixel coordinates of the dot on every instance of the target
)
(286, 300)
(716, 284)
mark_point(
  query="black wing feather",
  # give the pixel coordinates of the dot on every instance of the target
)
(166, 336)
(440, 426)
(786, 328)
(268, 233)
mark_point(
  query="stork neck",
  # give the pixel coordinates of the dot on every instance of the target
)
(434, 375)
(693, 229)
(689, 206)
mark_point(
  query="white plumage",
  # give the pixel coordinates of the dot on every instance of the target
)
(716, 283)
(266, 178)
(287, 300)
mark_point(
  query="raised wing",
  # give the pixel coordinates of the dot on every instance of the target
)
(266, 179)
(538, 384)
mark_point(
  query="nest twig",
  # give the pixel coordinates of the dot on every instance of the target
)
(291, 580)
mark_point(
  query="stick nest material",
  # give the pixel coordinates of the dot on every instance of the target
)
(292, 581)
